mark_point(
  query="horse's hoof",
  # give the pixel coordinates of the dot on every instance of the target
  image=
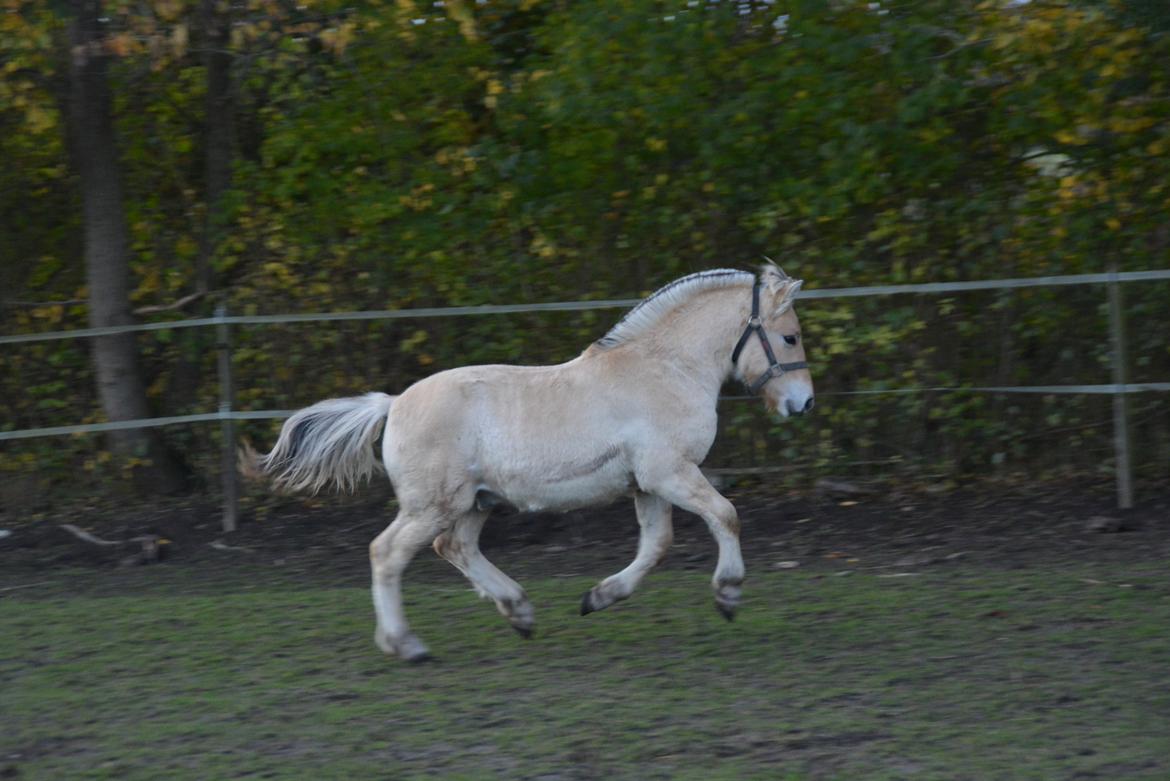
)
(727, 597)
(411, 649)
(524, 631)
(587, 603)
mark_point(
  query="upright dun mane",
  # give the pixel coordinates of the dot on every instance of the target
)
(640, 319)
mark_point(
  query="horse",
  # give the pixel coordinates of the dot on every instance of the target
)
(634, 414)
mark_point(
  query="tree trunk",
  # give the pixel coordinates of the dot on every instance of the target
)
(219, 138)
(219, 110)
(119, 379)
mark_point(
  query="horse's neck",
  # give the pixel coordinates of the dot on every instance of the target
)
(700, 337)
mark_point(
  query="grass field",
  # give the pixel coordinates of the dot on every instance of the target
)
(962, 673)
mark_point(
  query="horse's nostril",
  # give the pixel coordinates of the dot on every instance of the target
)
(808, 405)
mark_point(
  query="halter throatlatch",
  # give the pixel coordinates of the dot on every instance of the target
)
(756, 326)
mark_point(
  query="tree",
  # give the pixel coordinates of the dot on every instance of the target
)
(219, 139)
(90, 126)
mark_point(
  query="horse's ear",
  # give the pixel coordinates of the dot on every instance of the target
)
(786, 296)
(772, 273)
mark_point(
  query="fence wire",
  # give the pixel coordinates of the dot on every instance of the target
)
(577, 306)
(581, 306)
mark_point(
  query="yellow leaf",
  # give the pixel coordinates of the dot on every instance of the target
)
(120, 45)
(38, 119)
(458, 11)
(168, 10)
(1004, 40)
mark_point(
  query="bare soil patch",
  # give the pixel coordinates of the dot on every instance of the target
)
(835, 527)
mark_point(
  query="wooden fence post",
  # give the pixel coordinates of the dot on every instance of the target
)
(1121, 444)
(231, 489)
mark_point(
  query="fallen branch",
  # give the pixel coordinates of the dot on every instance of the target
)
(143, 549)
(179, 304)
(221, 545)
(85, 536)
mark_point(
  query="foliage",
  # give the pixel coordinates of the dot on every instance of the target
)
(408, 154)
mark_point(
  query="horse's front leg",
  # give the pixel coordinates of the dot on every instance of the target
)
(460, 546)
(686, 487)
(657, 533)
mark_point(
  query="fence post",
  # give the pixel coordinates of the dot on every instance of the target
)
(231, 494)
(1121, 443)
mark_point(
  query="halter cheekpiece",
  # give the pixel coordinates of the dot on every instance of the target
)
(756, 326)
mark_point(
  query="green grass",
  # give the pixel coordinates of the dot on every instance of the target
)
(965, 674)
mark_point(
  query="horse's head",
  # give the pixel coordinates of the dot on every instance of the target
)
(782, 377)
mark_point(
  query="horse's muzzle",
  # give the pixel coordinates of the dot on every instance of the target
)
(795, 409)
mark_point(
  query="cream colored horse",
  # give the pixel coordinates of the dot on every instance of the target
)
(633, 414)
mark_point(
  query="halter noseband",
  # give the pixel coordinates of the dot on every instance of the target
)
(755, 325)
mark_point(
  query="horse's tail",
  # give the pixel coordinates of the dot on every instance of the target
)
(333, 441)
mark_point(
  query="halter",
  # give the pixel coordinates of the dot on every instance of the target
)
(755, 325)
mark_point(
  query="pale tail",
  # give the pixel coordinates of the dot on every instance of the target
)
(333, 441)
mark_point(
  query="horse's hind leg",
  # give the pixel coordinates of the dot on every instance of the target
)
(390, 552)
(460, 546)
(657, 533)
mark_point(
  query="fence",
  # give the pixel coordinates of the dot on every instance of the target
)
(1120, 388)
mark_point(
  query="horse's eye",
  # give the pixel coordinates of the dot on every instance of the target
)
(791, 339)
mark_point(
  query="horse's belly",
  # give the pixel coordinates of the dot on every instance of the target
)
(550, 491)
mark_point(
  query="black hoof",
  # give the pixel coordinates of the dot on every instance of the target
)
(587, 603)
(424, 658)
(524, 631)
(727, 611)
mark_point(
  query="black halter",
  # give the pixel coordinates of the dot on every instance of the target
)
(755, 325)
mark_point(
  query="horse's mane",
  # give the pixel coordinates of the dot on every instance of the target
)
(639, 319)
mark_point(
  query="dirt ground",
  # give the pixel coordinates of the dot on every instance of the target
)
(835, 526)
